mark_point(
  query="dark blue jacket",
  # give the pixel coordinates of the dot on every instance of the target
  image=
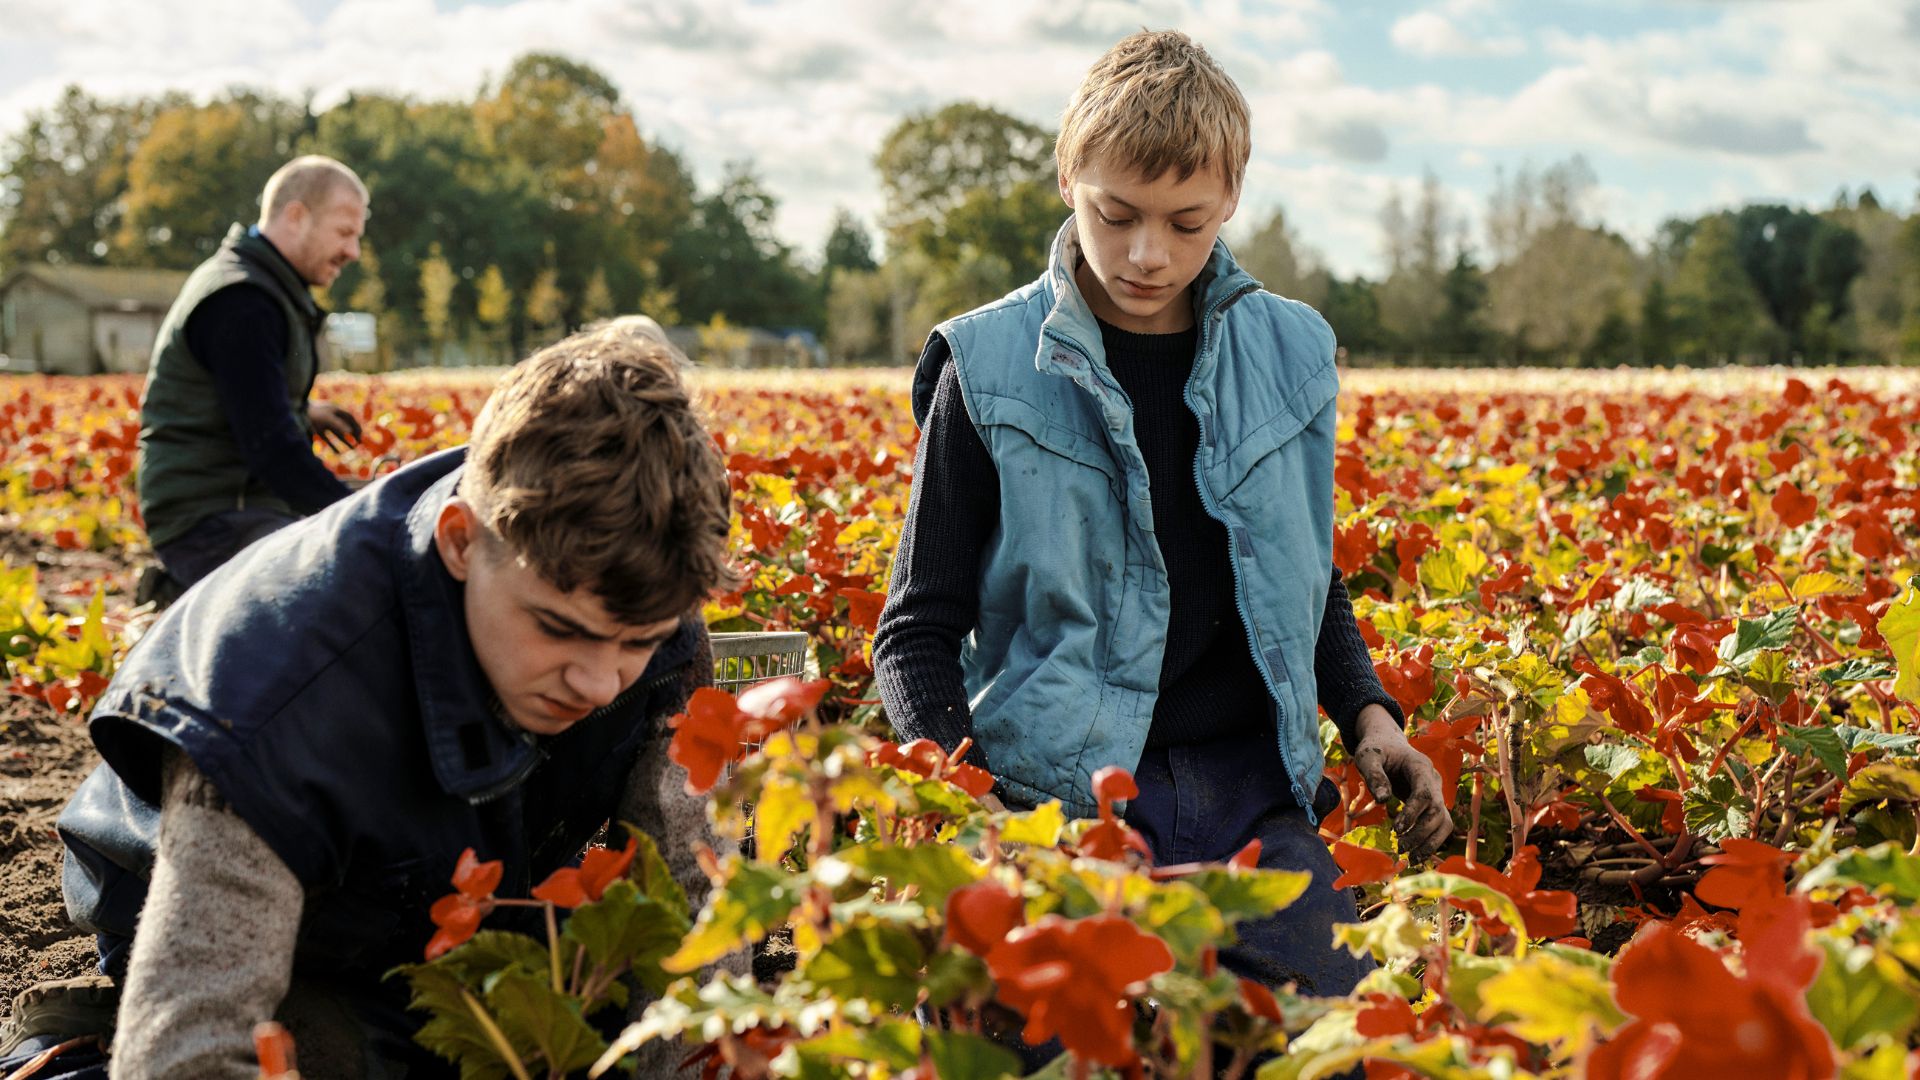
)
(324, 682)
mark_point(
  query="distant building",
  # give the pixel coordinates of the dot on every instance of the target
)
(83, 320)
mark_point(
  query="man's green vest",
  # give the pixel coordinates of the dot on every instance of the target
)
(190, 466)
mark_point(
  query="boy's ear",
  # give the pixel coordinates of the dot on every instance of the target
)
(456, 535)
(1233, 203)
(1066, 188)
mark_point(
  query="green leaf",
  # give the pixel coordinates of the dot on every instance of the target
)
(1717, 809)
(955, 974)
(754, 899)
(1751, 636)
(1249, 894)
(1857, 995)
(937, 869)
(1614, 759)
(1855, 738)
(1886, 1061)
(1881, 868)
(536, 1018)
(1393, 934)
(1716, 556)
(1817, 741)
(1771, 676)
(1881, 781)
(959, 1056)
(1437, 886)
(1584, 624)
(895, 1043)
(452, 1032)
(650, 874)
(877, 962)
(1181, 916)
(1855, 671)
(624, 929)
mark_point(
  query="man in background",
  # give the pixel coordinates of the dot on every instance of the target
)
(226, 427)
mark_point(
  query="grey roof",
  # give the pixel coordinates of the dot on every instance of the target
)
(108, 288)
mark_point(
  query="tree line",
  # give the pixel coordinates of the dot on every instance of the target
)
(540, 205)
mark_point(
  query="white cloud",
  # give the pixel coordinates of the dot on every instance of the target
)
(1429, 33)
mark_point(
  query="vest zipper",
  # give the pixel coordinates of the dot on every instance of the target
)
(1233, 559)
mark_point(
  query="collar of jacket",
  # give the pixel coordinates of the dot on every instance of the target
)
(476, 753)
(251, 245)
(1070, 343)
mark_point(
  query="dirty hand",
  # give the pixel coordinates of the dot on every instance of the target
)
(334, 424)
(1392, 767)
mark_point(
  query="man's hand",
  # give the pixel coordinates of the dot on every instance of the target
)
(334, 424)
(1391, 766)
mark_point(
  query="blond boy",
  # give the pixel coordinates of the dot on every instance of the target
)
(1119, 545)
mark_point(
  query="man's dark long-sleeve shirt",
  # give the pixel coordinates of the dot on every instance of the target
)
(1209, 686)
(240, 334)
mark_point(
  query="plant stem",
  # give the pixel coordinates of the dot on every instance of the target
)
(494, 1035)
(553, 947)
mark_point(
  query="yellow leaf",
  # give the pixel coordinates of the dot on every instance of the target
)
(781, 811)
(1901, 627)
(1039, 827)
(1552, 1000)
(1819, 583)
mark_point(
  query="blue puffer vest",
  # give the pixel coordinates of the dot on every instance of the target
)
(1063, 667)
(324, 682)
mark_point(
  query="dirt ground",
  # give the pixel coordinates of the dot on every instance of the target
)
(43, 757)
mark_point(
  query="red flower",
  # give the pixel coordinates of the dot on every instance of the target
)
(458, 915)
(706, 738)
(1548, 913)
(1362, 865)
(1614, 696)
(1409, 679)
(775, 705)
(1446, 744)
(1794, 507)
(980, 915)
(971, 779)
(1695, 1020)
(571, 886)
(1698, 644)
(1259, 1001)
(1745, 872)
(1075, 979)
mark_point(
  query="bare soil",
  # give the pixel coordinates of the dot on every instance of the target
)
(43, 757)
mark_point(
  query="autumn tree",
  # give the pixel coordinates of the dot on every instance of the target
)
(200, 169)
(63, 178)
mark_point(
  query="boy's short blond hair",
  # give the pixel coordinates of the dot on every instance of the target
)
(591, 464)
(1156, 101)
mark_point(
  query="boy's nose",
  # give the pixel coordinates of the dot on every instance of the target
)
(596, 684)
(1148, 256)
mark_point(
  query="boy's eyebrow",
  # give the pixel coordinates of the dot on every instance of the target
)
(572, 626)
(1110, 197)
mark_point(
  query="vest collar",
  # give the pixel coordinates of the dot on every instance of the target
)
(249, 244)
(476, 752)
(1070, 320)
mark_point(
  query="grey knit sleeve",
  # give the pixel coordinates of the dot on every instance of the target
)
(214, 951)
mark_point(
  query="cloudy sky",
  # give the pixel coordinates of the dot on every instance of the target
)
(1679, 106)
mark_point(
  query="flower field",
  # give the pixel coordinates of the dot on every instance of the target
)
(1656, 631)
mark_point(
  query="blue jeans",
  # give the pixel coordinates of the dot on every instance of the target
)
(213, 540)
(1203, 804)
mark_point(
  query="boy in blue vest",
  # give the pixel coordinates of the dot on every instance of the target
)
(1118, 549)
(479, 650)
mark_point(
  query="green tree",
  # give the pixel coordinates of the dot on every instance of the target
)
(932, 163)
(1273, 254)
(848, 245)
(1720, 315)
(1878, 299)
(1412, 297)
(546, 306)
(858, 317)
(727, 259)
(201, 168)
(1551, 299)
(493, 306)
(1656, 324)
(1461, 331)
(1798, 263)
(1353, 310)
(63, 178)
(597, 301)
